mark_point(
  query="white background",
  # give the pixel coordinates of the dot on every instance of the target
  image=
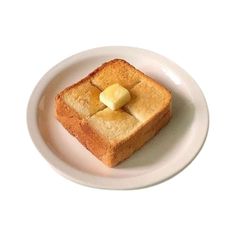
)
(200, 36)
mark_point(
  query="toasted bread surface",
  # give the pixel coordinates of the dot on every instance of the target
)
(112, 136)
(113, 125)
(83, 98)
(115, 71)
(148, 99)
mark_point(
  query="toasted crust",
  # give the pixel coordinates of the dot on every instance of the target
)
(113, 136)
(109, 154)
(137, 140)
(79, 128)
(115, 71)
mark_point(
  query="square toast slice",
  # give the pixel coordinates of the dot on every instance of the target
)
(112, 136)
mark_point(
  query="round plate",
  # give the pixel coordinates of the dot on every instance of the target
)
(161, 158)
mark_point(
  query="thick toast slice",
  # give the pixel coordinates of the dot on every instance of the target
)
(112, 136)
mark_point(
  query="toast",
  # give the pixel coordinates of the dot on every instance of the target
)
(112, 136)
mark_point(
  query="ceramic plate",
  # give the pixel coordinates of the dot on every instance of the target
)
(161, 158)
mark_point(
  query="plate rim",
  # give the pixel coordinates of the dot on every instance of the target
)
(85, 178)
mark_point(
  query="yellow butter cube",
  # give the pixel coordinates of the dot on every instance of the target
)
(115, 96)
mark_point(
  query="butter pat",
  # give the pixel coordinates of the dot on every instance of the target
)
(115, 96)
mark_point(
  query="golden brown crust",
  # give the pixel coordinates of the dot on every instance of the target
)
(141, 137)
(79, 128)
(110, 153)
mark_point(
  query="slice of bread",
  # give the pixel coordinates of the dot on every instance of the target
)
(112, 136)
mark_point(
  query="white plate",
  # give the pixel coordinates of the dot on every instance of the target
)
(161, 158)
